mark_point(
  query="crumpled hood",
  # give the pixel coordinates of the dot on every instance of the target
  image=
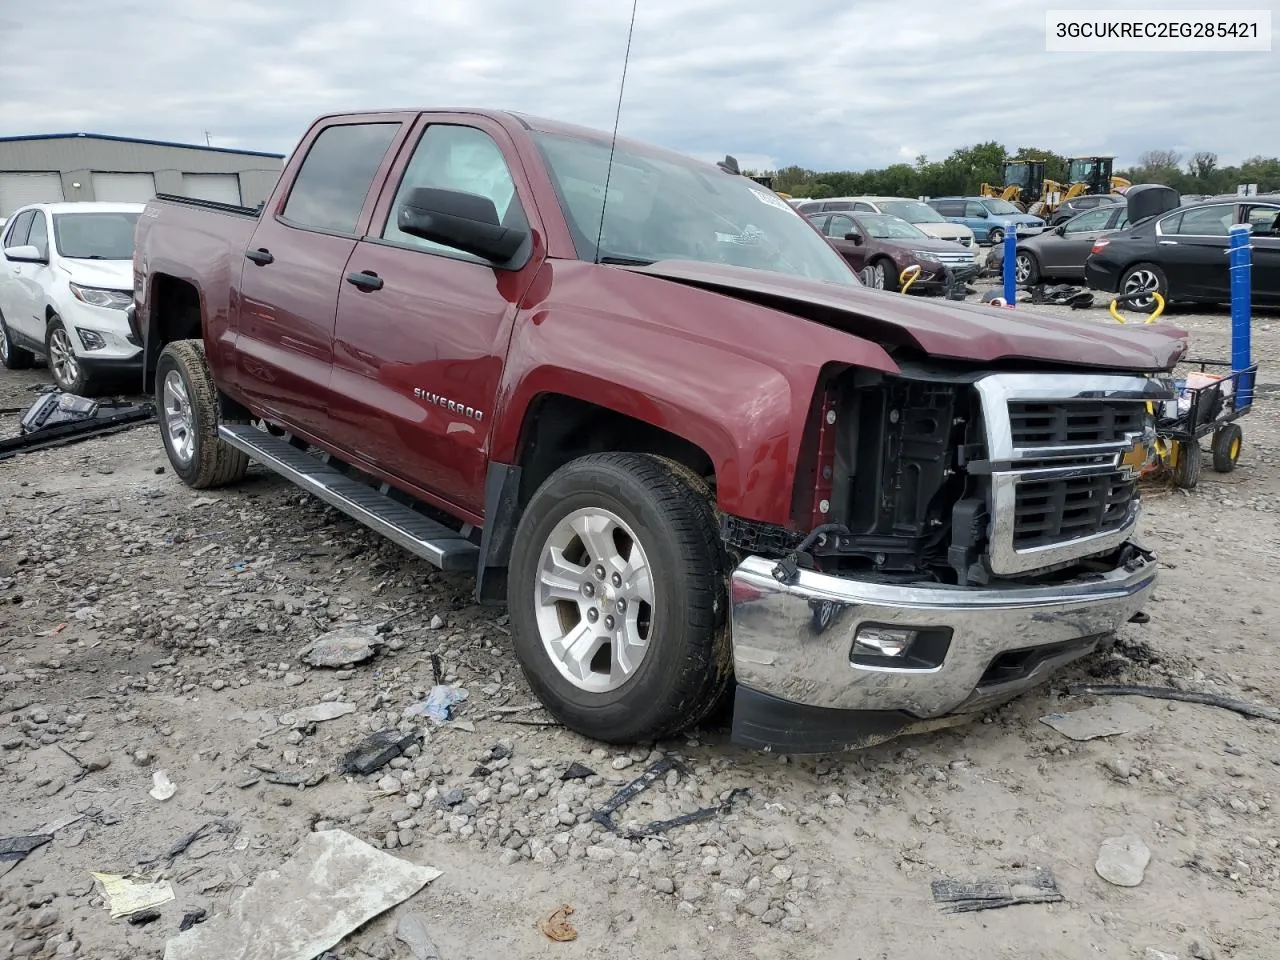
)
(108, 274)
(941, 328)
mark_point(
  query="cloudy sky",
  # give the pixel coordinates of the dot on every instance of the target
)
(828, 84)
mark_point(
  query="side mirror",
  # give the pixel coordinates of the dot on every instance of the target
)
(464, 221)
(1060, 229)
(853, 237)
(25, 254)
(982, 214)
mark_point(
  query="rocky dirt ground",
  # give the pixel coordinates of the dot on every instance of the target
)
(145, 627)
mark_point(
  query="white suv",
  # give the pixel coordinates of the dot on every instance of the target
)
(65, 282)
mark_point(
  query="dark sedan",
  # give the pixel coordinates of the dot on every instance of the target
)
(880, 247)
(1182, 254)
(1078, 205)
(1060, 253)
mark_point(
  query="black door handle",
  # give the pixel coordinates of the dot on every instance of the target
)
(365, 280)
(262, 256)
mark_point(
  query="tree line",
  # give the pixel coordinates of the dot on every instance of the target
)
(963, 173)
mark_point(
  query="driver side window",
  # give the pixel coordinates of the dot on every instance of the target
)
(39, 235)
(459, 158)
(17, 236)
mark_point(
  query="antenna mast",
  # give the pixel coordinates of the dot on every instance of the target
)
(617, 117)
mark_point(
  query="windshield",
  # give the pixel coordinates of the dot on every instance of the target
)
(1017, 174)
(663, 207)
(1001, 208)
(1082, 171)
(912, 211)
(95, 236)
(884, 227)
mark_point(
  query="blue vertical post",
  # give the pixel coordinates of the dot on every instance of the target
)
(1010, 255)
(1241, 314)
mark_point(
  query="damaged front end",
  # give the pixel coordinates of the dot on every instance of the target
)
(971, 533)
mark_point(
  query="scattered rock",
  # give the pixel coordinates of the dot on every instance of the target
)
(1123, 860)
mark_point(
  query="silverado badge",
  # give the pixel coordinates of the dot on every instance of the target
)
(471, 413)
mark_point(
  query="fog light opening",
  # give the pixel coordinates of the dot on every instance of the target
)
(896, 647)
(91, 339)
(876, 641)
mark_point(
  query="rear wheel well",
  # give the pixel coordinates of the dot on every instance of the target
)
(175, 315)
(558, 429)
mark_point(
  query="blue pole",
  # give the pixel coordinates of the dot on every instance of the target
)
(1010, 255)
(1241, 296)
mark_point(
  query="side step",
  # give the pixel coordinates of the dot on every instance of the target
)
(434, 542)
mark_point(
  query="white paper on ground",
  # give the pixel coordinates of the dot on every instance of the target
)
(333, 884)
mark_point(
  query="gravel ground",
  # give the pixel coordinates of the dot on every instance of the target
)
(147, 627)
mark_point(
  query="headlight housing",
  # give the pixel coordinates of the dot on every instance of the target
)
(102, 297)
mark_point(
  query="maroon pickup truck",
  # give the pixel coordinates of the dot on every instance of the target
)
(662, 420)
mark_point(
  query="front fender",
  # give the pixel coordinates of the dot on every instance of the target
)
(731, 377)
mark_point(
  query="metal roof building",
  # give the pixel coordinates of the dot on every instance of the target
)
(94, 166)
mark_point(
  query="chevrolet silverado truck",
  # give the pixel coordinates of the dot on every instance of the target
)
(656, 414)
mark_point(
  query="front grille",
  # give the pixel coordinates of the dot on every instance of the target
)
(1064, 451)
(1073, 422)
(1051, 511)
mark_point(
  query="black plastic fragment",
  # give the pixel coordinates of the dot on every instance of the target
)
(191, 918)
(143, 917)
(659, 768)
(577, 771)
(376, 752)
(1034, 886)
(16, 848)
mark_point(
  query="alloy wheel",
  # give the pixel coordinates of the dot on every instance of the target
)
(594, 600)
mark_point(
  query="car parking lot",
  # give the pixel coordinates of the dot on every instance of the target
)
(145, 627)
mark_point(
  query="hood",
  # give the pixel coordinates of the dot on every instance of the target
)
(108, 274)
(933, 243)
(1029, 219)
(942, 329)
(946, 230)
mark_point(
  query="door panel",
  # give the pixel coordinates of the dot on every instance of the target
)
(417, 362)
(1070, 251)
(1194, 256)
(11, 291)
(32, 282)
(855, 254)
(288, 305)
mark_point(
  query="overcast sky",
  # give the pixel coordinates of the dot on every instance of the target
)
(827, 84)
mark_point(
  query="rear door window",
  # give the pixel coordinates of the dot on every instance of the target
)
(1211, 221)
(330, 190)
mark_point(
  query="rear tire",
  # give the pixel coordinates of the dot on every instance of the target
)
(655, 665)
(187, 407)
(1026, 269)
(1189, 465)
(1227, 441)
(12, 356)
(1145, 276)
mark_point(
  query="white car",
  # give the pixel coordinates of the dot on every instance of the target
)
(65, 283)
(921, 215)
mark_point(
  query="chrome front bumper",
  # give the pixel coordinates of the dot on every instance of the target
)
(790, 645)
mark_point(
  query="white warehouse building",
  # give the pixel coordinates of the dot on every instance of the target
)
(93, 166)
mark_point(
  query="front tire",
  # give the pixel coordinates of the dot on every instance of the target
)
(187, 406)
(616, 592)
(1188, 466)
(995, 237)
(876, 275)
(68, 370)
(12, 356)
